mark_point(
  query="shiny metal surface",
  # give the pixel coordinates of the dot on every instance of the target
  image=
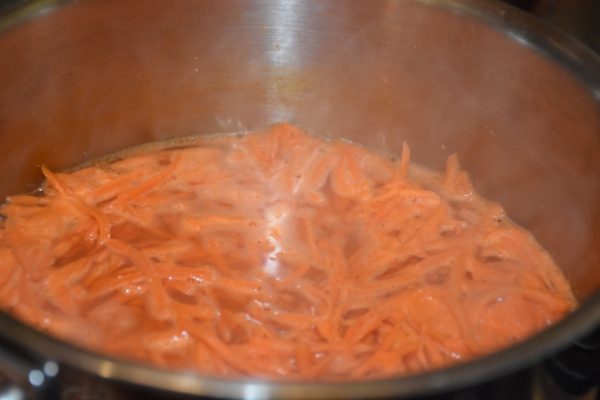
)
(517, 100)
(14, 12)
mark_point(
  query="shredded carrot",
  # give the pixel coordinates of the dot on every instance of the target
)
(275, 254)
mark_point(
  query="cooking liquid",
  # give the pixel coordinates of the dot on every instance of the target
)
(275, 254)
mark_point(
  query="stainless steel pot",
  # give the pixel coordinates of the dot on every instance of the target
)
(518, 101)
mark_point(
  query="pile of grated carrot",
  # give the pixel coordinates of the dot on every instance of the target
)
(275, 254)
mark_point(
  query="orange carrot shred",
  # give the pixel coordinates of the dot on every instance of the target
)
(275, 254)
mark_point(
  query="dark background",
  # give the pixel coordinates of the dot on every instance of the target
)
(580, 18)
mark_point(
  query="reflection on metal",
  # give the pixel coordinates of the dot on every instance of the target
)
(254, 392)
(51, 369)
(106, 369)
(28, 11)
(12, 393)
(36, 378)
(534, 33)
(285, 23)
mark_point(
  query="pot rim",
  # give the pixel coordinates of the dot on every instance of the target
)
(580, 61)
(480, 370)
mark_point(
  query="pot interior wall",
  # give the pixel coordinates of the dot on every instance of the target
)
(100, 75)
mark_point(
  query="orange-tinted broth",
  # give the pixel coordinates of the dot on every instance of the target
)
(275, 254)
